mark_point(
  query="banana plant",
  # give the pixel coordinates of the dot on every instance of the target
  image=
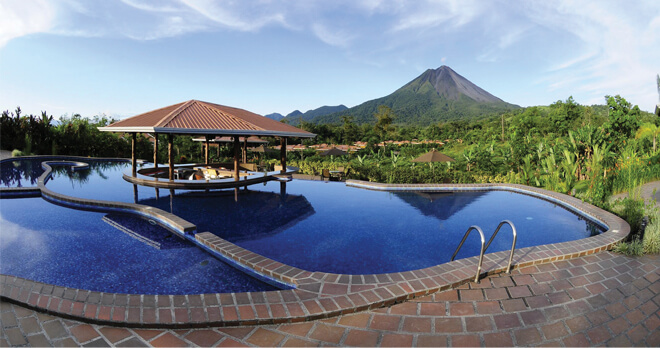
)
(469, 156)
(551, 171)
(394, 158)
(570, 170)
(527, 169)
(539, 151)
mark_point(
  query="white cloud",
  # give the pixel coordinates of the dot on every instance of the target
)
(19, 18)
(14, 235)
(429, 14)
(573, 61)
(243, 16)
(334, 38)
(151, 6)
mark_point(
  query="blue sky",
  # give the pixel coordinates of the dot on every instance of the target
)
(122, 58)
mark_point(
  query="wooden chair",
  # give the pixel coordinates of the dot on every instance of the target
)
(325, 174)
(249, 167)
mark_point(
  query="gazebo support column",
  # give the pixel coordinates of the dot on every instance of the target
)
(133, 160)
(170, 155)
(206, 151)
(245, 149)
(283, 154)
(237, 149)
(155, 150)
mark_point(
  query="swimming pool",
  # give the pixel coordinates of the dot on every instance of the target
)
(315, 226)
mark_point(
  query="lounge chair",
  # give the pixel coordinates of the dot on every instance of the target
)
(341, 174)
(211, 173)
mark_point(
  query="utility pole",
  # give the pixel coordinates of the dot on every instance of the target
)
(657, 107)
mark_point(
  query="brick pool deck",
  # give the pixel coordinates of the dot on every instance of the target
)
(604, 299)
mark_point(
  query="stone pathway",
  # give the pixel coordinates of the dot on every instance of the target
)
(649, 191)
(601, 299)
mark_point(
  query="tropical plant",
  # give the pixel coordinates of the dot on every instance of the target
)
(470, 158)
(633, 248)
(623, 121)
(648, 130)
(569, 167)
(527, 171)
(394, 157)
(384, 118)
(651, 240)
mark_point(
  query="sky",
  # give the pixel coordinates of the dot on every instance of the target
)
(124, 57)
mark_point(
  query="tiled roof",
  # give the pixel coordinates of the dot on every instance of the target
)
(198, 117)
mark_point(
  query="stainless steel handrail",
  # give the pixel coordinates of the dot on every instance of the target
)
(484, 247)
(513, 246)
(481, 254)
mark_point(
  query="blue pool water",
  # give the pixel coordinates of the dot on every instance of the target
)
(56, 245)
(315, 226)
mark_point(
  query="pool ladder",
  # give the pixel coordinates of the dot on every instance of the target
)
(484, 246)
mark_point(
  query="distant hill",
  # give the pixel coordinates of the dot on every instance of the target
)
(310, 114)
(275, 116)
(436, 95)
(294, 113)
(323, 110)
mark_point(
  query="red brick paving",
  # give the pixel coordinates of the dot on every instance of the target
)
(617, 303)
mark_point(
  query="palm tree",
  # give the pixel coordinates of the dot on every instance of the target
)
(648, 130)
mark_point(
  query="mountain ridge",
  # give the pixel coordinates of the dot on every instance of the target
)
(437, 95)
(275, 116)
(320, 111)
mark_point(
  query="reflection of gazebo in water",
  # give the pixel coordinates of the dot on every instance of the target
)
(440, 205)
(255, 215)
(209, 120)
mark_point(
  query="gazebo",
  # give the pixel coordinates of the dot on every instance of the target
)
(210, 120)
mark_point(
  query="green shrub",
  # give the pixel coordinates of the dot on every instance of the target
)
(634, 248)
(631, 210)
(651, 241)
(16, 153)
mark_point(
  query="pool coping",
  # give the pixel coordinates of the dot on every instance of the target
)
(258, 177)
(316, 295)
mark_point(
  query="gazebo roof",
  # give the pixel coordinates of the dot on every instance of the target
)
(433, 156)
(198, 117)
